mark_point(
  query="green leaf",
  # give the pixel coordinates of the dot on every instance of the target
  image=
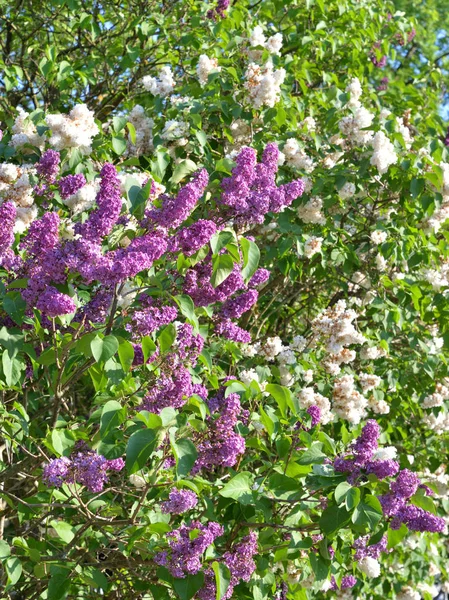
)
(13, 568)
(140, 447)
(65, 531)
(104, 348)
(251, 257)
(222, 579)
(59, 583)
(166, 337)
(12, 368)
(283, 397)
(222, 267)
(333, 519)
(119, 123)
(13, 342)
(320, 566)
(347, 494)
(112, 416)
(14, 305)
(221, 239)
(186, 306)
(368, 512)
(5, 550)
(148, 347)
(239, 488)
(187, 587)
(182, 170)
(312, 455)
(395, 536)
(185, 455)
(126, 355)
(119, 144)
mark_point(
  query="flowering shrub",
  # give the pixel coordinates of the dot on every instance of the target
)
(223, 322)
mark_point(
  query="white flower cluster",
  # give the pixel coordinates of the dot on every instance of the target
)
(378, 236)
(296, 157)
(83, 199)
(163, 85)
(354, 126)
(441, 214)
(347, 191)
(335, 325)
(312, 246)
(354, 89)
(144, 132)
(408, 593)
(440, 394)
(372, 353)
(263, 84)
(206, 66)
(347, 402)
(404, 131)
(383, 152)
(74, 130)
(269, 348)
(241, 135)
(273, 44)
(439, 424)
(385, 453)
(311, 211)
(439, 277)
(368, 381)
(24, 131)
(370, 566)
(15, 187)
(440, 479)
(308, 397)
(247, 376)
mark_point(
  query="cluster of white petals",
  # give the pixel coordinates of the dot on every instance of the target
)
(163, 85)
(263, 84)
(74, 130)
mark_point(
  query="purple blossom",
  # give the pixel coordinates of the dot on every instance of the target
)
(418, 519)
(56, 471)
(48, 165)
(446, 139)
(240, 563)
(176, 210)
(186, 547)
(406, 484)
(42, 236)
(259, 277)
(192, 238)
(71, 184)
(382, 468)
(373, 551)
(109, 201)
(219, 10)
(7, 219)
(149, 319)
(221, 446)
(171, 389)
(53, 303)
(233, 332)
(180, 501)
(84, 467)
(315, 413)
(234, 308)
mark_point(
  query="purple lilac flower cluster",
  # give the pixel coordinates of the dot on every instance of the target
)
(240, 563)
(186, 547)
(395, 504)
(251, 191)
(362, 452)
(84, 467)
(179, 501)
(48, 165)
(219, 10)
(71, 184)
(373, 551)
(347, 582)
(221, 446)
(7, 219)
